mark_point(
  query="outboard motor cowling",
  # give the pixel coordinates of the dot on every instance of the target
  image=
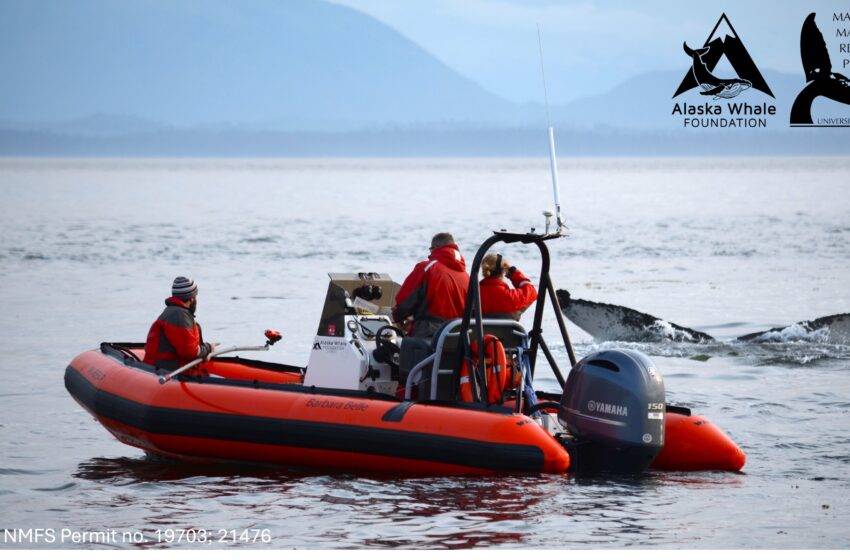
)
(613, 405)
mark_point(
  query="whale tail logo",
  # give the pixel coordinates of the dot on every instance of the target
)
(705, 59)
(821, 80)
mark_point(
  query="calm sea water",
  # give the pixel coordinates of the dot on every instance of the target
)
(88, 250)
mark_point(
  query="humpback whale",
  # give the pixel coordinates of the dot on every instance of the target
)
(822, 81)
(711, 84)
(605, 321)
(832, 329)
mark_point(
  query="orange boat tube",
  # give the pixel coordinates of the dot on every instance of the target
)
(692, 443)
(247, 411)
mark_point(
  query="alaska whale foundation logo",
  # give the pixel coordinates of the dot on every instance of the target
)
(718, 111)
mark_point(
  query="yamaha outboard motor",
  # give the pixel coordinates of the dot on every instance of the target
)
(613, 406)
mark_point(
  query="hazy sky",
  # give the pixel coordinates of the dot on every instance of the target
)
(589, 46)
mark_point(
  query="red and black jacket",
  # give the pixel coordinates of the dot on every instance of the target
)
(434, 292)
(175, 338)
(498, 301)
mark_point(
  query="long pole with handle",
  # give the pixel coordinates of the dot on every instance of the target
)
(271, 338)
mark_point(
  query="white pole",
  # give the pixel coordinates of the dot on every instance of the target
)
(553, 165)
(553, 159)
(193, 363)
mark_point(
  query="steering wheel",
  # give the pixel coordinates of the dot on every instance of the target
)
(385, 349)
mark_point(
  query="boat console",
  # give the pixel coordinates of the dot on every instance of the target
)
(356, 345)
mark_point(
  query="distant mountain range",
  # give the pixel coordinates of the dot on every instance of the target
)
(301, 77)
(260, 64)
(645, 101)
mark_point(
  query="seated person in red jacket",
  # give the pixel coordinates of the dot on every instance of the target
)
(498, 300)
(175, 338)
(435, 291)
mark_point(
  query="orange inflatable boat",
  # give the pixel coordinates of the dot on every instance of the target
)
(373, 400)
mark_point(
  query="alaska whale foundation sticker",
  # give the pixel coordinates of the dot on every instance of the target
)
(721, 108)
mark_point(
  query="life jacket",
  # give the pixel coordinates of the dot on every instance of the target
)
(495, 367)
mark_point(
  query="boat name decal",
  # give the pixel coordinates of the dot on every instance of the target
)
(327, 403)
(96, 373)
(607, 408)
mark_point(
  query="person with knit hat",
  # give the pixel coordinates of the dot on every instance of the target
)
(175, 338)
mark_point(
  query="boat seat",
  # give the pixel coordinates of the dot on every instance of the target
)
(413, 350)
(510, 335)
(442, 348)
(445, 379)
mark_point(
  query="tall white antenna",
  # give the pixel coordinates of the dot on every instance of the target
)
(553, 160)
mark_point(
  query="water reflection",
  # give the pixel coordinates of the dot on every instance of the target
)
(321, 510)
(125, 470)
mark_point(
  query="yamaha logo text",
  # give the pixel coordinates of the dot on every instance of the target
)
(607, 408)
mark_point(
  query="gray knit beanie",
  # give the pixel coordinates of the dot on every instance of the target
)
(184, 288)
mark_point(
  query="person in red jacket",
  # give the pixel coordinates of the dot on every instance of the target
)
(498, 300)
(436, 289)
(175, 338)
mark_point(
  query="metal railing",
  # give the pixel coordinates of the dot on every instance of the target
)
(452, 331)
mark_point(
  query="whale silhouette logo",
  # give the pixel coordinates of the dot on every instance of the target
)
(725, 88)
(821, 81)
(722, 42)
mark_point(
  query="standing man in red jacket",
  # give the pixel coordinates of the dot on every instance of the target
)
(436, 289)
(175, 338)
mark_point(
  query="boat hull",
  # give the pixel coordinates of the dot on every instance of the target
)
(284, 423)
